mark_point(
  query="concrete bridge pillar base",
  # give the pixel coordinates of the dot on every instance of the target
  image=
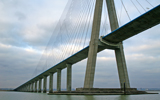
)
(59, 79)
(45, 84)
(69, 77)
(40, 84)
(51, 83)
(35, 87)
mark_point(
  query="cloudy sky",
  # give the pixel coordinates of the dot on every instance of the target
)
(27, 25)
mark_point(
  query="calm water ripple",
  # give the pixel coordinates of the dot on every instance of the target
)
(43, 96)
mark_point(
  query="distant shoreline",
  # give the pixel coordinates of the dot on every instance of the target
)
(6, 90)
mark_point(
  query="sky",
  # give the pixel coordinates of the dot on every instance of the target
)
(27, 25)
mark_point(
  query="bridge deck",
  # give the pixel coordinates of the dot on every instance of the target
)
(143, 22)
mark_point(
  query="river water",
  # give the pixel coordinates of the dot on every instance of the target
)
(44, 96)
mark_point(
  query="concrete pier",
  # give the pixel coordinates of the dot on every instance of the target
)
(31, 87)
(69, 77)
(40, 84)
(58, 79)
(120, 58)
(122, 69)
(93, 46)
(50, 82)
(27, 88)
(45, 84)
(35, 88)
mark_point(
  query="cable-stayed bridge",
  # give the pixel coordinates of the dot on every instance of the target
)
(113, 41)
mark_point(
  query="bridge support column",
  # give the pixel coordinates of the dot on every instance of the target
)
(45, 84)
(51, 83)
(28, 88)
(120, 58)
(58, 79)
(122, 69)
(35, 87)
(31, 87)
(22, 89)
(25, 88)
(93, 46)
(69, 77)
(40, 84)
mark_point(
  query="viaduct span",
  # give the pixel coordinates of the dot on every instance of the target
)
(111, 41)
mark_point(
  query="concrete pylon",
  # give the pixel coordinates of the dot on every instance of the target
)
(120, 58)
(69, 77)
(50, 82)
(93, 46)
(39, 86)
(59, 79)
(45, 84)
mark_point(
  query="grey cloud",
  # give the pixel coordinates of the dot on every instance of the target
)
(16, 64)
(20, 15)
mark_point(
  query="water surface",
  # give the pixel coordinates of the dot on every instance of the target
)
(44, 96)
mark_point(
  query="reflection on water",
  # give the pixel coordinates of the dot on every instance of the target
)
(43, 96)
(124, 97)
(89, 98)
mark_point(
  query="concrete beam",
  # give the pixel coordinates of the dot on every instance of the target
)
(59, 79)
(40, 85)
(51, 83)
(107, 45)
(93, 46)
(45, 84)
(69, 77)
(120, 58)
